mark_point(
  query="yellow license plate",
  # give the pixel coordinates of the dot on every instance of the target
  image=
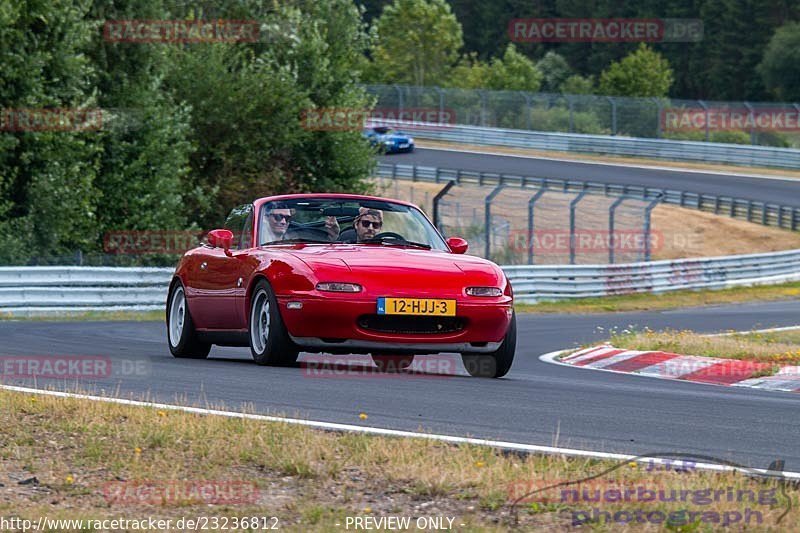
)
(416, 306)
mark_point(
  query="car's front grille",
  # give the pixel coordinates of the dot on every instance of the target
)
(411, 324)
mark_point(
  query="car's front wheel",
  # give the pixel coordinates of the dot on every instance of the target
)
(498, 363)
(269, 341)
(181, 335)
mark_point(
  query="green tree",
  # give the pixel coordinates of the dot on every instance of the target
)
(416, 42)
(48, 199)
(641, 73)
(555, 71)
(145, 151)
(247, 101)
(780, 67)
(512, 72)
(577, 84)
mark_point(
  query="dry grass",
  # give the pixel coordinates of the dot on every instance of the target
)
(782, 173)
(767, 347)
(311, 480)
(687, 233)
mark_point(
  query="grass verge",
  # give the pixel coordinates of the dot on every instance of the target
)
(668, 300)
(780, 347)
(59, 457)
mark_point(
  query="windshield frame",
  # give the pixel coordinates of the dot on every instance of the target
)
(434, 236)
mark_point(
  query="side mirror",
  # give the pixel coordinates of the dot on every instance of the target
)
(221, 238)
(457, 245)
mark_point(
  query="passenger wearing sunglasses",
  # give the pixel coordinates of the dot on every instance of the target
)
(368, 223)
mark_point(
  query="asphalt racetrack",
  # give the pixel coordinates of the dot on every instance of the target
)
(780, 191)
(536, 403)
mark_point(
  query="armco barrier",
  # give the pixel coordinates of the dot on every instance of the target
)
(539, 283)
(45, 290)
(733, 154)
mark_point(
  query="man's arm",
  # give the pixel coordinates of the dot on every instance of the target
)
(332, 227)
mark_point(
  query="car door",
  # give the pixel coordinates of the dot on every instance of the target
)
(219, 281)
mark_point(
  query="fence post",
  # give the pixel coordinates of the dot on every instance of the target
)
(658, 117)
(705, 108)
(752, 121)
(613, 114)
(528, 110)
(483, 108)
(531, 204)
(647, 239)
(611, 236)
(572, 206)
(399, 100)
(571, 113)
(488, 217)
(437, 199)
(441, 103)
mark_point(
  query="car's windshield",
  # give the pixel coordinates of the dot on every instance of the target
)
(338, 221)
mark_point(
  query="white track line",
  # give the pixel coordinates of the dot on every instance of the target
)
(628, 165)
(331, 426)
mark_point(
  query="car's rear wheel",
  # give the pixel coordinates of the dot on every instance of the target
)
(269, 341)
(181, 335)
(498, 363)
(392, 363)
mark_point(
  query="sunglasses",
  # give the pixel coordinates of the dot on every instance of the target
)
(278, 218)
(367, 223)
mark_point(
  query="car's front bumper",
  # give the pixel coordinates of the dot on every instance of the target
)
(332, 323)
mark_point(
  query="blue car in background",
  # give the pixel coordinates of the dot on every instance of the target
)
(388, 140)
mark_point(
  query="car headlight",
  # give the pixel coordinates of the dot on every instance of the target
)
(484, 291)
(388, 142)
(410, 139)
(335, 286)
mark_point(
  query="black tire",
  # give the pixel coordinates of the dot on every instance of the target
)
(392, 363)
(181, 335)
(269, 341)
(498, 363)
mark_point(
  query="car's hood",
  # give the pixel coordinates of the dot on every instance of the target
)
(385, 267)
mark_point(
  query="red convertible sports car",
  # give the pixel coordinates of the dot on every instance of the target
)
(340, 273)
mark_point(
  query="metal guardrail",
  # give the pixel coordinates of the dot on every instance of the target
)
(540, 283)
(767, 214)
(47, 290)
(672, 150)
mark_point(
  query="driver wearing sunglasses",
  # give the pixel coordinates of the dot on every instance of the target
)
(368, 223)
(277, 222)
